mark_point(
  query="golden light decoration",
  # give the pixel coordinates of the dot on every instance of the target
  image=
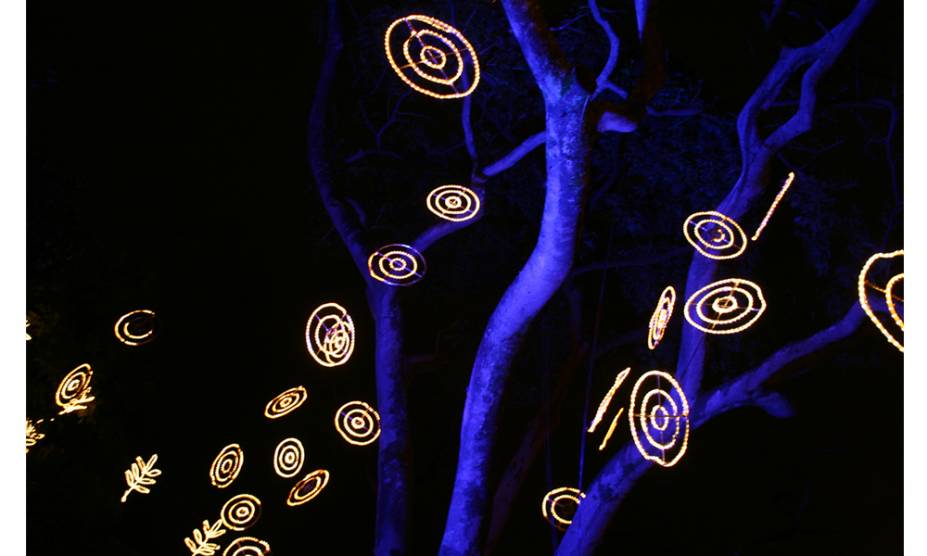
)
(286, 402)
(560, 505)
(437, 60)
(890, 298)
(74, 390)
(453, 202)
(725, 307)
(136, 328)
(715, 235)
(32, 433)
(247, 546)
(357, 423)
(772, 207)
(28, 337)
(603, 405)
(397, 264)
(661, 317)
(241, 512)
(659, 418)
(140, 476)
(288, 457)
(308, 488)
(201, 544)
(330, 335)
(227, 465)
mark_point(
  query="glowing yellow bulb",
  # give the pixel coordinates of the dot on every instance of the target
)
(74, 390)
(453, 202)
(200, 544)
(32, 433)
(551, 506)
(308, 488)
(227, 465)
(661, 316)
(435, 57)
(654, 412)
(715, 235)
(140, 476)
(889, 298)
(288, 457)
(357, 423)
(241, 512)
(603, 405)
(772, 208)
(247, 546)
(135, 327)
(285, 402)
(397, 265)
(330, 335)
(725, 307)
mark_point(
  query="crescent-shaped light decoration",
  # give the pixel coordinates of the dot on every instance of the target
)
(890, 298)
(136, 328)
(560, 504)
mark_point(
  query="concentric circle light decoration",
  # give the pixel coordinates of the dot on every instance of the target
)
(661, 316)
(892, 292)
(453, 202)
(227, 465)
(74, 390)
(659, 418)
(288, 457)
(241, 512)
(432, 57)
(357, 423)
(397, 264)
(286, 402)
(247, 546)
(136, 328)
(725, 307)
(330, 335)
(715, 235)
(308, 488)
(559, 506)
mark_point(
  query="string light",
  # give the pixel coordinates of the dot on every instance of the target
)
(286, 402)
(201, 544)
(654, 412)
(397, 264)
(434, 57)
(330, 335)
(864, 298)
(775, 203)
(135, 327)
(357, 423)
(74, 390)
(247, 546)
(603, 405)
(28, 337)
(715, 235)
(241, 512)
(725, 307)
(611, 429)
(32, 433)
(661, 316)
(140, 476)
(308, 488)
(568, 496)
(227, 465)
(288, 457)
(453, 202)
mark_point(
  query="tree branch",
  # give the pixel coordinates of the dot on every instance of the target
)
(541, 51)
(602, 81)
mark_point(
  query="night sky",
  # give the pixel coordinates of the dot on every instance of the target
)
(167, 170)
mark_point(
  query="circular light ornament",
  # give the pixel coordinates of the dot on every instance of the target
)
(73, 392)
(715, 235)
(288, 457)
(136, 328)
(659, 418)
(453, 202)
(286, 402)
(247, 546)
(308, 488)
(241, 512)
(661, 316)
(330, 335)
(725, 307)
(432, 57)
(357, 423)
(397, 264)
(559, 506)
(891, 290)
(227, 465)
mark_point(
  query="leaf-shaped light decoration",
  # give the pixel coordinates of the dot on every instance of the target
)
(32, 433)
(200, 545)
(141, 475)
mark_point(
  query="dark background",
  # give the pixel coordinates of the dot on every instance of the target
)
(166, 170)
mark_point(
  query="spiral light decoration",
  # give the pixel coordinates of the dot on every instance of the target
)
(659, 418)
(890, 297)
(308, 488)
(436, 60)
(285, 402)
(397, 265)
(288, 457)
(453, 202)
(74, 390)
(227, 465)
(247, 546)
(560, 504)
(715, 235)
(241, 512)
(661, 316)
(330, 335)
(357, 423)
(136, 328)
(725, 307)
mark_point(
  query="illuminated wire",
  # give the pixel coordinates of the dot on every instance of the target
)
(715, 235)
(74, 390)
(241, 512)
(661, 316)
(330, 335)
(725, 307)
(308, 488)
(140, 476)
(864, 298)
(655, 411)
(435, 57)
(135, 327)
(288, 457)
(603, 405)
(397, 265)
(890, 300)
(32, 433)
(227, 465)
(357, 423)
(775, 203)
(569, 496)
(247, 546)
(453, 202)
(285, 402)
(611, 429)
